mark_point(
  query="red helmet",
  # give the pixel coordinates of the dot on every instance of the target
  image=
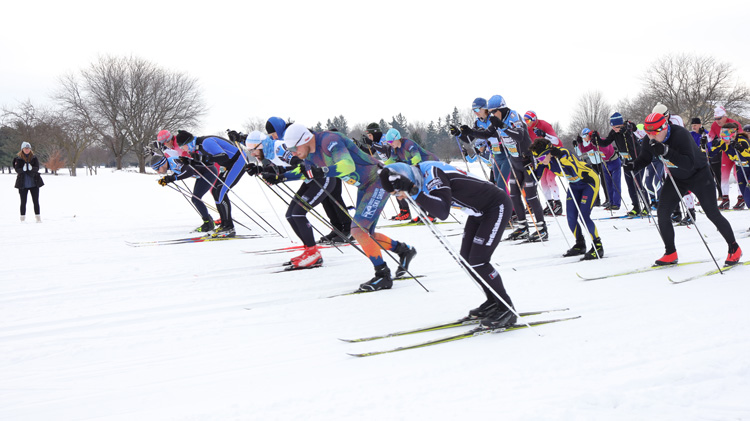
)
(655, 123)
(163, 136)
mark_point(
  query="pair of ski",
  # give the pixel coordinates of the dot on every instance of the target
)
(655, 267)
(293, 249)
(413, 224)
(201, 239)
(360, 291)
(478, 331)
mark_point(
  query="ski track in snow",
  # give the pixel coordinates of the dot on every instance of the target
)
(92, 329)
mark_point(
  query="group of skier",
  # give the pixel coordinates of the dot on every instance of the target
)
(522, 150)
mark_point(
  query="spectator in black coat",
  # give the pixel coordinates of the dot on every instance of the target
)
(28, 178)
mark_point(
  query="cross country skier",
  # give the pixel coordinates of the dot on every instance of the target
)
(541, 129)
(205, 176)
(408, 151)
(509, 127)
(330, 154)
(689, 171)
(206, 151)
(737, 150)
(584, 187)
(437, 187)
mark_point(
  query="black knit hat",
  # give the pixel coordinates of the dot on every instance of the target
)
(695, 120)
(373, 128)
(183, 137)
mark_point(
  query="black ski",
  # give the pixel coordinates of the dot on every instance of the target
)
(470, 334)
(458, 323)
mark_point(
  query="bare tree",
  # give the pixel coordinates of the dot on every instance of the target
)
(32, 124)
(71, 137)
(254, 123)
(94, 157)
(692, 85)
(638, 108)
(592, 112)
(127, 100)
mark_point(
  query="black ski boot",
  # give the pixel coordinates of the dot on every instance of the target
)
(206, 227)
(521, 232)
(502, 317)
(687, 219)
(382, 280)
(485, 309)
(347, 238)
(541, 234)
(549, 208)
(223, 232)
(577, 250)
(676, 216)
(595, 252)
(328, 238)
(405, 253)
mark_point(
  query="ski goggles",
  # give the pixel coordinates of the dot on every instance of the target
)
(726, 134)
(528, 121)
(543, 156)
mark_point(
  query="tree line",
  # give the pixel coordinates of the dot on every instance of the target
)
(109, 112)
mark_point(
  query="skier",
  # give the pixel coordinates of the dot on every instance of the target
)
(611, 170)
(584, 187)
(597, 159)
(437, 187)
(622, 137)
(206, 151)
(408, 151)
(509, 127)
(541, 129)
(727, 166)
(205, 176)
(689, 171)
(736, 147)
(329, 154)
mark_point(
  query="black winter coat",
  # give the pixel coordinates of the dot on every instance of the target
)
(19, 163)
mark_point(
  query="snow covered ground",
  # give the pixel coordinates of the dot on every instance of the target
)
(92, 329)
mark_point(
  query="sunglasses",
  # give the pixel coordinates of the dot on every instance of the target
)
(476, 110)
(718, 118)
(494, 110)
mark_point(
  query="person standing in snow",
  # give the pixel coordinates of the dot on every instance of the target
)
(330, 154)
(510, 129)
(541, 129)
(436, 187)
(689, 170)
(28, 179)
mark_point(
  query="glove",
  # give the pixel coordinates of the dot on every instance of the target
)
(539, 133)
(166, 180)
(272, 177)
(296, 161)
(595, 138)
(316, 172)
(253, 169)
(556, 152)
(463, 152)
(739, 147)
(233, 135)
(575, 143)
(659, 148)
(496, 122)
(455, 131)
(704, 141)
(701, 131)
(465, 130)
(185, 160)
(27, 167)
(628, 166)
(526, 160)
(402, 183)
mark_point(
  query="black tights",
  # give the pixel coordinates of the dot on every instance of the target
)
(34, 197)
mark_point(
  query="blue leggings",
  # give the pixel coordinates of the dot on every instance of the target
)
(584, 195)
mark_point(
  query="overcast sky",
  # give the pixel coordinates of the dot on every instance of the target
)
(313, 60)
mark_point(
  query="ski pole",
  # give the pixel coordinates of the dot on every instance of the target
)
(461, 260)
(674, 184)
(522, 190)
(208, 205)
(569, 192)
(552, 211)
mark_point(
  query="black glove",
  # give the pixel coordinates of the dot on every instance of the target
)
(316, 172)
(401, 183)
(186, 160)
(233, 135)
(628, 166)
(253, 169)
(575, 143)
(630, 127)
(704, 141)
(465, 130)
(739, 147)
(496, 122)
(539, 133)
(463, 152)
(595, 138)
(455, 131)
(272, 177)
(556, 152)
(526, 160)
(166, 180)
(659, 148)
(296, 161)
(701, 131)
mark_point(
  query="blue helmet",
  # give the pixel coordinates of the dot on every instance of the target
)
(585, 132)
(478, 104)
(496, 101)
(391, 135)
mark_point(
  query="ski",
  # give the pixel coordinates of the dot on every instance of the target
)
(202, 239)
(709, 273)
(292, 249)
(641, 270)
(470, 334)
(290, 268)
(457, 323)
(413, 224)
(359, 291)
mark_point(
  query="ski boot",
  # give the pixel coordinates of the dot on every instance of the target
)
(405, 254)
(346, 239)
(224, 232)
(327, 239)
(577, 250)
(724, 202)
(309, 259)
(735, 253)
(404, 215)
(382, 279)
(541, 234)
(687, 219)
(549, 208)
(676, 216)
(667, 259)
(206, 227)
(521, 233)
(485, 309)
(606, 205)
(500, 318)
(558, 208)
(740, 203)
(596, 251)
